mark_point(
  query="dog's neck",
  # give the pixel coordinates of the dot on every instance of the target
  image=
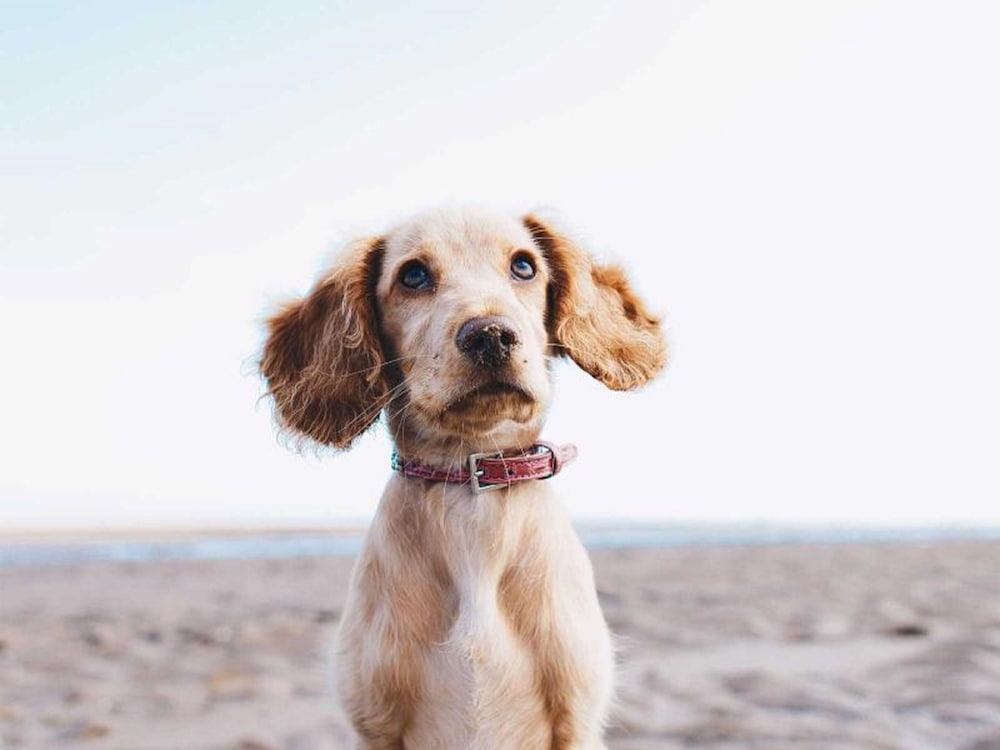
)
(451, 452)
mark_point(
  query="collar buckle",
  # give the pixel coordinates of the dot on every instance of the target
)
(475, 472)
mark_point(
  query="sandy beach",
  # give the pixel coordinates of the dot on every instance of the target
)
(867, 647)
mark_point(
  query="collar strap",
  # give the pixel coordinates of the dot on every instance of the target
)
(493, 471)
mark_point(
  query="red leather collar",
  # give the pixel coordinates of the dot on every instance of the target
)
(493, 471)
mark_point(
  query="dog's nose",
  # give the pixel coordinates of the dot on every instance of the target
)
(487, 341)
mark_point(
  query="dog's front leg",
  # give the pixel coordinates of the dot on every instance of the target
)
(558, 613)
(576, 676)
(395, 611)
(379, 658)
(375, 681)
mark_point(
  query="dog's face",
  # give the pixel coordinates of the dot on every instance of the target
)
(461, 300)
(448, 322)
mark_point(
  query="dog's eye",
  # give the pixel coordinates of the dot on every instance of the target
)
(414, 275)
(523, 267)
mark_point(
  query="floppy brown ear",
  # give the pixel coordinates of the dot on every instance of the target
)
(595, 318)
(323, 358)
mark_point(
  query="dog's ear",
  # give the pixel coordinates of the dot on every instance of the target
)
(594, 316)
(323, 358)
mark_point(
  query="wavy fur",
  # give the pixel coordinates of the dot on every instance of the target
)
(323, 358)
(594, 316)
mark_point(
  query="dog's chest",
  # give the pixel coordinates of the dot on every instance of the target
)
(480, 681)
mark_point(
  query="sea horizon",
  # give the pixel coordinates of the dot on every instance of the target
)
(70, 546)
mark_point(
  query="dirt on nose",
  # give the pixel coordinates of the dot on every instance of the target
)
(487, 342)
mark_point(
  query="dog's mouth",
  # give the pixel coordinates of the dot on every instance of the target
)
(494, 392)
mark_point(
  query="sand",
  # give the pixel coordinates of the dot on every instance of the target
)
(890, 646)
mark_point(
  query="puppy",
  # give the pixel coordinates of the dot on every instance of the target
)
(472, 620)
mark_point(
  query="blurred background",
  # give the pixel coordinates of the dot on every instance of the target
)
(807, 192)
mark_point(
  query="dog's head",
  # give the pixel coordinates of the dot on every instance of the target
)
(449, 322)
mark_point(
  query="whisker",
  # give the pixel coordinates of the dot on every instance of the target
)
(370, 411)
(380, 365)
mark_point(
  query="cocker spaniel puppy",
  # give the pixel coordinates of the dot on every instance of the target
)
(472, 619)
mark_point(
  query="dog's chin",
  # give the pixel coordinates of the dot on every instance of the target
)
(484, 407)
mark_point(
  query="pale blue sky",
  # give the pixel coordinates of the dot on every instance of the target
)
(806, 191)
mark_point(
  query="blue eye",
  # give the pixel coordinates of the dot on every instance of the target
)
(414, 275)
(523, 267)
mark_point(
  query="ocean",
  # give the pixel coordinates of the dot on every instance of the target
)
(277, 545)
